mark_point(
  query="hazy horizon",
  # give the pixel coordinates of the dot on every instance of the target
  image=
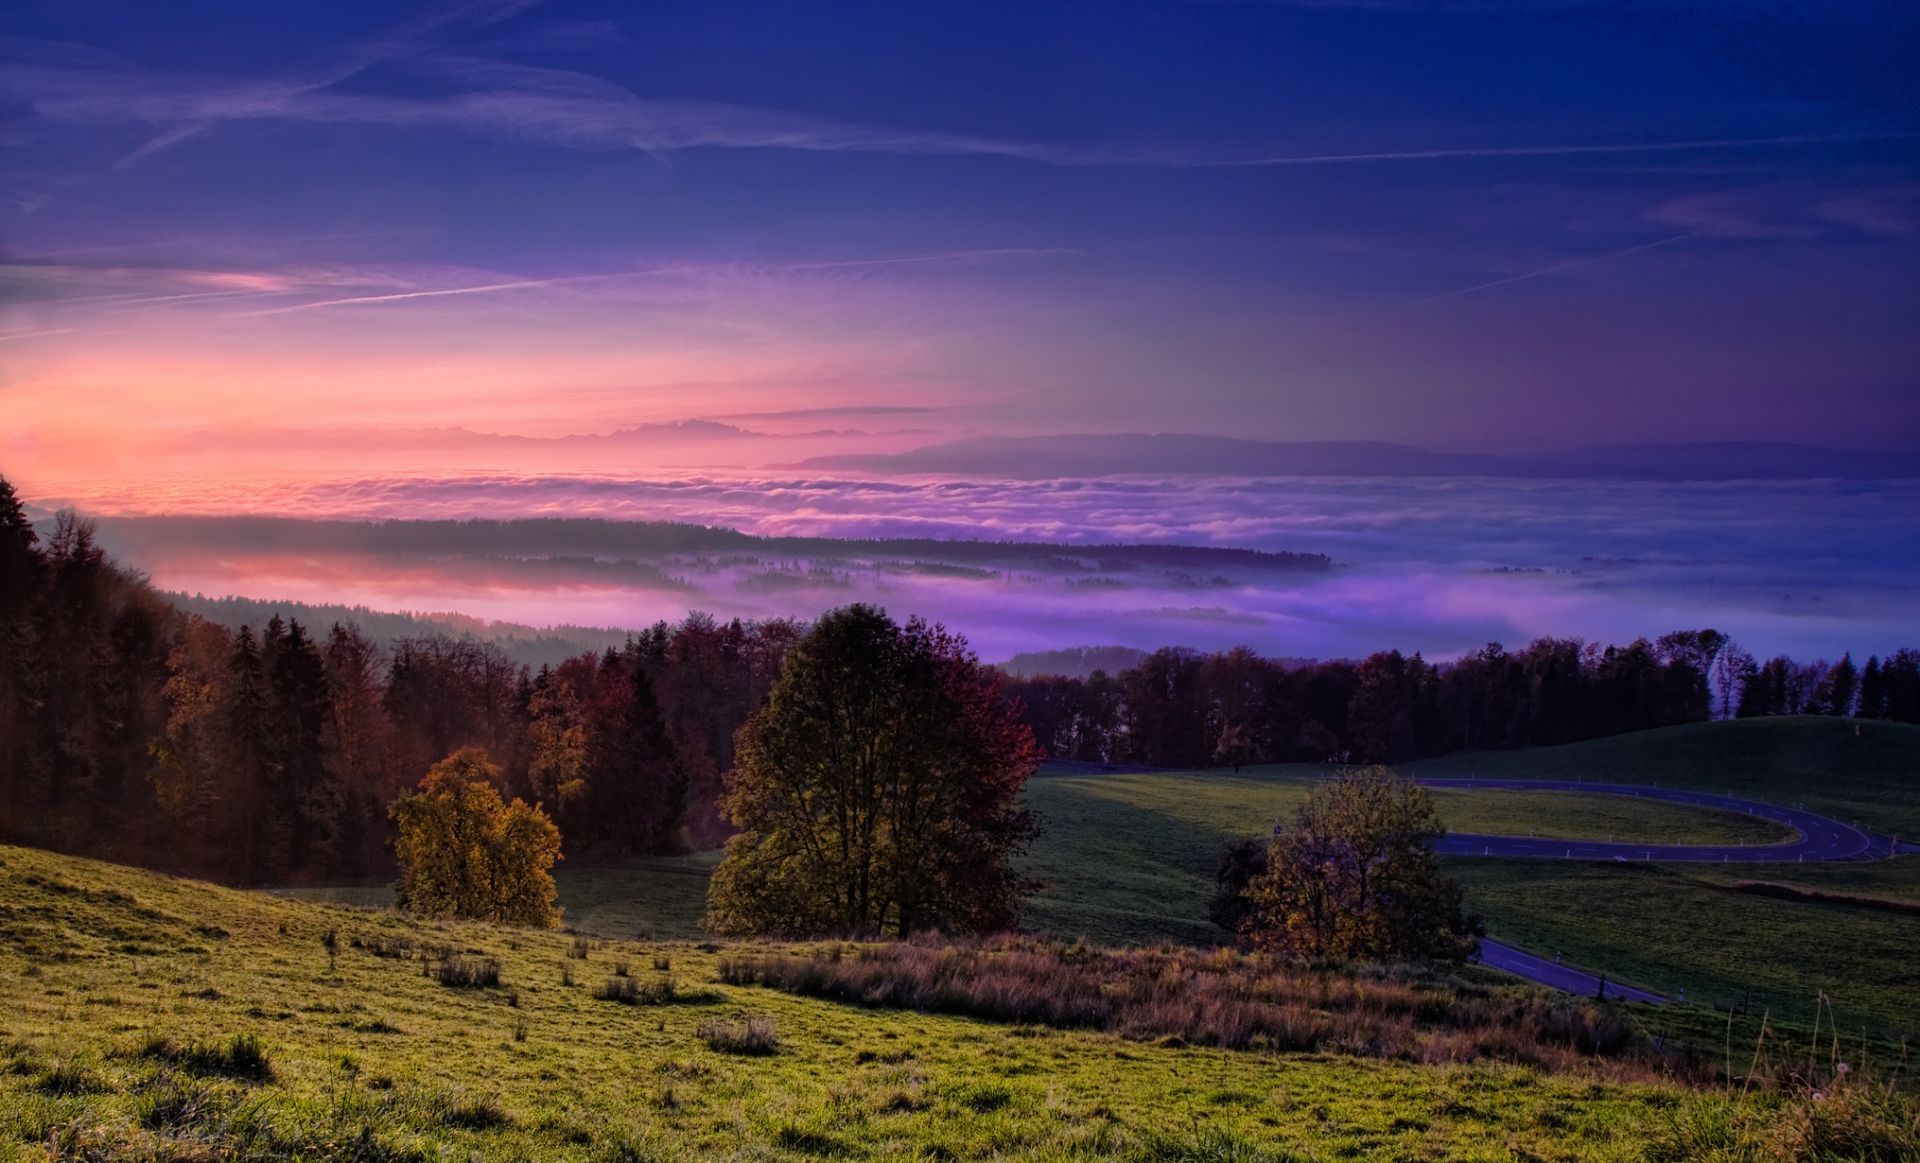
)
(734, 264)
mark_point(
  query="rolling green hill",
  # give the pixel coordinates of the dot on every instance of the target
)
(148, 1018)
(1845, 768)
(1131, 857)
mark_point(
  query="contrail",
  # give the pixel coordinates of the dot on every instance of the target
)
(1496, 151)
(1554, 269)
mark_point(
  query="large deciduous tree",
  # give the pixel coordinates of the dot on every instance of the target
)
(1355, 876)
(465, 853)
(878, 791)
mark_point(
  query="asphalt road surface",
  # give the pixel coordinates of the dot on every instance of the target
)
(1520, 963)
(1819, 839)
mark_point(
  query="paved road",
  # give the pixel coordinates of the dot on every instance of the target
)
(1520, 963)
(1819, 838)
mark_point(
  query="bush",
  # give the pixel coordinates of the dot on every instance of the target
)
(462, 972)
(751, 1036)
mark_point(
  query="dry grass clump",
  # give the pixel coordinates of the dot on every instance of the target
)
(1830, 1102)
(463, 972)
(750, 1035)
(632, 991)
(1213, 998)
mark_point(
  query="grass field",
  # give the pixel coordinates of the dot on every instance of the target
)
(121, 994)
(1130, 858)
(1683, 929)
(1872, 776)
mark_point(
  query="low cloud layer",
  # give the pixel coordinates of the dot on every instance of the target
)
(1811, 568)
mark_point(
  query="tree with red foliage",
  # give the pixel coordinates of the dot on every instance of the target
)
(878, 791)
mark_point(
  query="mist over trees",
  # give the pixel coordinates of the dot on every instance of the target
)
(134, 731)
(272, 753)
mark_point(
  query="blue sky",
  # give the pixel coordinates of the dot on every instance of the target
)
(1472, 223)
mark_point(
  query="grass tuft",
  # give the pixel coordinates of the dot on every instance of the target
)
(750, 1036)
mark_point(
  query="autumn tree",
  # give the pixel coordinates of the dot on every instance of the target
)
(878, 791)
(1354, 876)
(465, 853)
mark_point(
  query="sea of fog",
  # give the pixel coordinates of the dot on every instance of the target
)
(1810, 568)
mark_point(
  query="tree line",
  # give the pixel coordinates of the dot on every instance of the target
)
(1182, 708)
(137, 732)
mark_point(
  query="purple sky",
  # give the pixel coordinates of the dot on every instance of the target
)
(1461, 223)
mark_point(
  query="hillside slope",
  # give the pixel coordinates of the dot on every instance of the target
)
(1846, 768)
(122, 995)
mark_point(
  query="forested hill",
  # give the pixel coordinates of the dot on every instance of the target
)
(527, 645)
(592, 537)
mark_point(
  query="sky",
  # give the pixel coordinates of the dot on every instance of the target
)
(240, 235)
(484, 258)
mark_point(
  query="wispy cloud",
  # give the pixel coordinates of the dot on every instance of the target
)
(1689, 145)
(258, 99)
(561, 108)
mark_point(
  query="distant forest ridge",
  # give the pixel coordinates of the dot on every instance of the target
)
(1039, 457)
(588, 537)
(527, 645)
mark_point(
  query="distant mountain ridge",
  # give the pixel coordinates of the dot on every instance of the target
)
(1110, 455)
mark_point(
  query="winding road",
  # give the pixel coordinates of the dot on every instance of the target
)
(1817, 838)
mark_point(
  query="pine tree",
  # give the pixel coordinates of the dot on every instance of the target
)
(1841, 682)
(1873, 691)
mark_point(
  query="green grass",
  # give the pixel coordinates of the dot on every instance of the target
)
(1131, 858)
(653, 898)
(130, 1004)
(1872, 776)
(1679, 927)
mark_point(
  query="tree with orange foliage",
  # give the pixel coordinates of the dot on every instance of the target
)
(464, 853)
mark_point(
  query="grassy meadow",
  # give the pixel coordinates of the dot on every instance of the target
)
(151, 1018)
(1130, 858)
(143, 1017)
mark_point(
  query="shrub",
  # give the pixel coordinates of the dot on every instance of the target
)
(752, 1035)
(462, 972)
(579, 947)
